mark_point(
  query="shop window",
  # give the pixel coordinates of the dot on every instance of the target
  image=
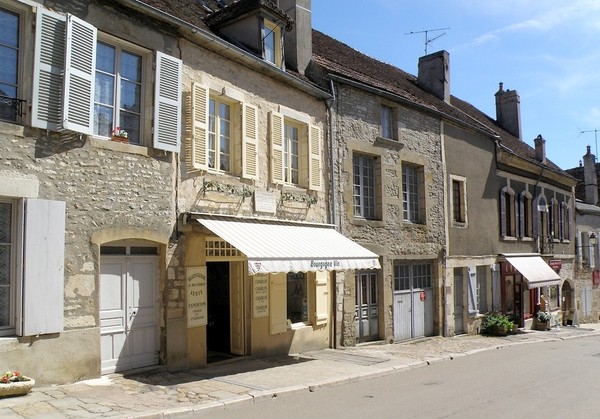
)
(297, 298)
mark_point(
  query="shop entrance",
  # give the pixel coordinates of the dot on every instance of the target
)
(225, 303)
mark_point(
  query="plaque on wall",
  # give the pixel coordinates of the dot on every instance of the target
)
(260, 295)
(195, 287)
(264, 202)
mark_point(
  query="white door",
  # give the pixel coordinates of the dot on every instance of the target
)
(366, 310)
(413, 301)
(128, 312)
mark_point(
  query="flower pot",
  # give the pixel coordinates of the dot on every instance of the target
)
(542, 326)
(119, 139)
(18, 388)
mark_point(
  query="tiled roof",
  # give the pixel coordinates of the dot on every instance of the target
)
(242, 7)
(343, 60)
(190, 11)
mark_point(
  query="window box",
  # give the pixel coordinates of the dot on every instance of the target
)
(119, 139)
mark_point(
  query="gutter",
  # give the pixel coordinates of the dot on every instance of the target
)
(213, 43)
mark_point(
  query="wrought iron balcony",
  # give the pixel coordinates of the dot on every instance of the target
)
(11, 108)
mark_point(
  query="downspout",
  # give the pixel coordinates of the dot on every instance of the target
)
(332, 209)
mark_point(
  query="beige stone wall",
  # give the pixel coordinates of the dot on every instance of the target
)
(357, 125)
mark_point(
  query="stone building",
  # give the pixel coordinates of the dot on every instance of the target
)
(163, 189)
(584, 302)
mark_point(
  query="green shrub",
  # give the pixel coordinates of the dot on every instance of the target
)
(495, 323)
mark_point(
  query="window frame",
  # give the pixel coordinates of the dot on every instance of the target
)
(507, 213)
(21, 60)
(458, 201)
(301, 167)
(413, 207)
(305, 316)
(362, 210)
(235, 134)
(120, 46)
(267, 29)
(388, 122)
(14, 268)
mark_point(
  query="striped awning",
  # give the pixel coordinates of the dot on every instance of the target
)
(279, 246)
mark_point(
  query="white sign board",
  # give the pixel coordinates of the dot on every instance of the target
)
(260, 295)
(197, 313)
(264, 202)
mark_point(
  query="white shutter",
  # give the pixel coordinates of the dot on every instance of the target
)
(314, 156)
(471, 291)
(321, 297)
(43, 267)
(276, 133)
(250, 142)
(80, 67)
(48, 70)
(167, 103)
(196, 147)
(277, 303)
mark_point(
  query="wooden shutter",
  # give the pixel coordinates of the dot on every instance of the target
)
(80, 67)
(521, 212)
(314, 156)
(43, 267)
(321, 298)
(277, 303)
(276, 125)
(496, 288)
(48, 70)
(196, 153)
(250, 142)
(167, 103)
(471, 291)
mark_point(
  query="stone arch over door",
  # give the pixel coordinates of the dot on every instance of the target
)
(568, 297)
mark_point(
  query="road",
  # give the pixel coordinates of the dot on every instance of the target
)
(539, 380)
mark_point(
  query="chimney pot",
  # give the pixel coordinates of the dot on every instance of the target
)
(589, 178)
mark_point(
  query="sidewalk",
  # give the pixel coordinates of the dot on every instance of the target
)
(157, 394)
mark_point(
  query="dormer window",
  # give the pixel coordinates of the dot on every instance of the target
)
(272, 45)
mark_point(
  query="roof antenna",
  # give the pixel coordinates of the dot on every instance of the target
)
(595, 131)
(427, 39)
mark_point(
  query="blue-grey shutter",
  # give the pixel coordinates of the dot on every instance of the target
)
(471, 290)
(80, 67)
(167, 103)
(48, 70)
(496, 291)
(502, 213)
(43, 267)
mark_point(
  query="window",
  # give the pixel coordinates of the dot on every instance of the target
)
(219, 135)
(118, 92)
(412, 193)
(32, 233)
(388, 122)
(459, 208)
(525, 215)
(412, 276)
(507, 212)
(272, 52)
(69, 69)
(7, 267)
(222, 134)
(291, 151)
(364, 186)
(9, 65)
(565, 208)
(295, 152)
(553, 220)
(297, 297)
(541, 223)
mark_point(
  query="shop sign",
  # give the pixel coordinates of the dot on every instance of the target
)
(596, 277)
(260, 295)
(507, 269)
(197, 312)
(555, 264)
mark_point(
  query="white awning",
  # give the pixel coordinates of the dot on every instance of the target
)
(535, 270)
(275, 246)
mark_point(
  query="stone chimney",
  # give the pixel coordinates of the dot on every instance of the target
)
(298, 41)
(589, 178)
(434, 74)
(540, 149)
(508, 111)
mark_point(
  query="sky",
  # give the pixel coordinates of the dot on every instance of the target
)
(546, 50)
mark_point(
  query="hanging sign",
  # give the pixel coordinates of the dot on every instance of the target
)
(197, 312)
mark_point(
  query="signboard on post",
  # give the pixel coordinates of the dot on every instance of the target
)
(260, 295)
(195, 289)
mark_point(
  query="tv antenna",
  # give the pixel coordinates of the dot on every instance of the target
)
(427, 39)
(595, 131)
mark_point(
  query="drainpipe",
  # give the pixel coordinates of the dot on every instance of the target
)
(332, 212)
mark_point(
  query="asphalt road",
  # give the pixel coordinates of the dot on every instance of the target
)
(541, 380)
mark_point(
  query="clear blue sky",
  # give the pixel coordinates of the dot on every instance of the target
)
(547, 50)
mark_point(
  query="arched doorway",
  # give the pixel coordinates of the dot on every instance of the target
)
(568, 299)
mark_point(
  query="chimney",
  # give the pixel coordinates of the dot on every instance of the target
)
(298, 41)
(589, 178)
(434, 74)
(540, 149)
(508, 111)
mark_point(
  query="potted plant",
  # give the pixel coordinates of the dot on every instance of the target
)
(119, 135)
(496, 324)
(13, 383)
(542, 320)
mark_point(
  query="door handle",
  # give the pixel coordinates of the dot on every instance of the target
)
(133, 314)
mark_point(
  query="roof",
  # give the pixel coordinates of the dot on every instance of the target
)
(343, 60)
(240, 8)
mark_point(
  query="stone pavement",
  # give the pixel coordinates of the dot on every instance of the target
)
(158, 394)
